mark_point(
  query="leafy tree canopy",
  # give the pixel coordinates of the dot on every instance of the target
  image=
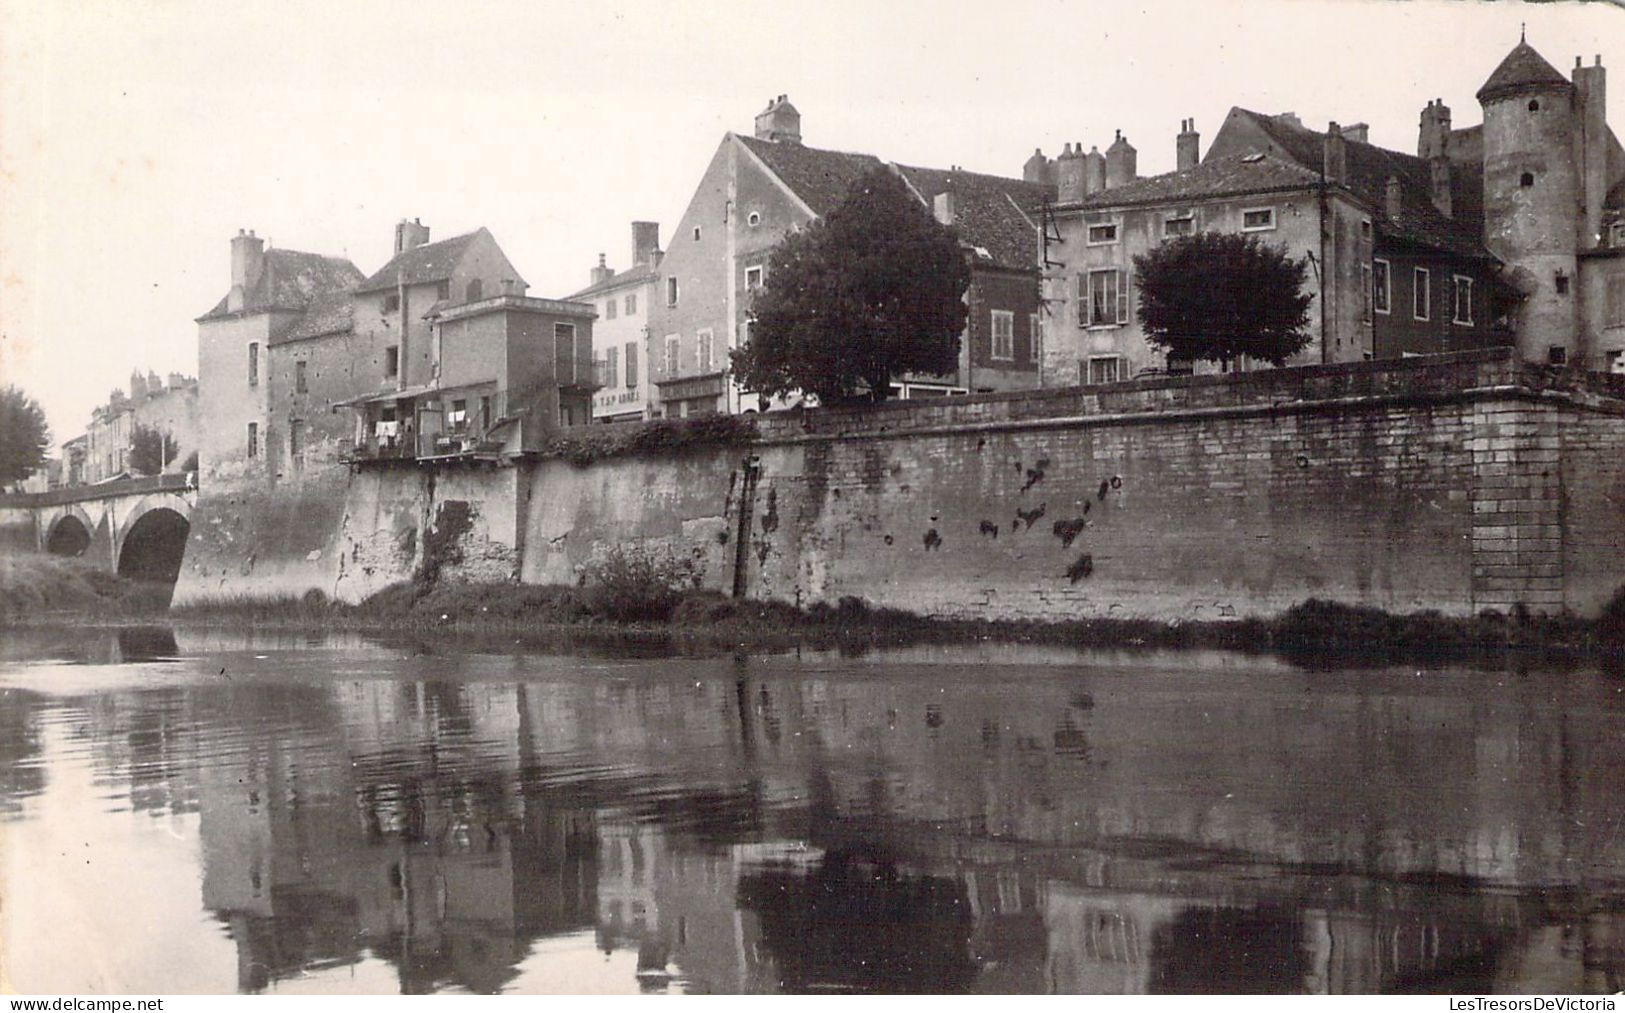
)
(24, 436)
(871, 291)
(1217, 296)
(151, 450)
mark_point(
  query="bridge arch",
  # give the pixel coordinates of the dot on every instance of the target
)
(69, 532)
(151, 538)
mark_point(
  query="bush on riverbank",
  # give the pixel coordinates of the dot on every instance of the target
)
(32, 585)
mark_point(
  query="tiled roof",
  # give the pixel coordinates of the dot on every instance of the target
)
(1368, 171)
(986, 210)
(630, 276)
(429, 262)
(326, 314)
(291, 280)
(992, 213)
(821, 178)
(1523, 68)
(1216, 177)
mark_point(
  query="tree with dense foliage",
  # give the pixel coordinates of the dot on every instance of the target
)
(24, 436)
(1217, 296)
(151, 450)
(873, 290)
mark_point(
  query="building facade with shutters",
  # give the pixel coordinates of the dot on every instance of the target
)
(621, 342)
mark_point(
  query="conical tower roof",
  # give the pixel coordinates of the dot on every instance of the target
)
(1522, 70)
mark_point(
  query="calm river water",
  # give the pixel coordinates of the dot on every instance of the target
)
(201, 812)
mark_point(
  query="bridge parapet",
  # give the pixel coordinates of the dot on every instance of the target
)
(101, 490)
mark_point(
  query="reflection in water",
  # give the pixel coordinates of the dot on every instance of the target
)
(361, 818)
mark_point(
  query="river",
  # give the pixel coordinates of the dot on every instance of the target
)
(197, 811)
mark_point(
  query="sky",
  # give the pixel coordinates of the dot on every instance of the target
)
(138, 136)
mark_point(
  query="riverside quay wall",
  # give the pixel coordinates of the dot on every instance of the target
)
(1460, 483)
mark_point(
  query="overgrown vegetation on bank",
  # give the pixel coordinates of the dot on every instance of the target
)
(31, 585)
(583, 445)
(637, 591)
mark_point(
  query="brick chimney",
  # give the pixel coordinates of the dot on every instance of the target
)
(1094, 170)
(1122, 162)
(1439, 172)
(1069, 175)
(1187, 146)
(1039, 169)
(247, 261)
(1433, 133)
(1334, 155)
(138, 386)
(1357, 132)
(645, 243)
(602, 272)
(410, 235)
(779, 122)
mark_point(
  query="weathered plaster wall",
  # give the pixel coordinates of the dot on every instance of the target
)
(252, 537)
(1455, 483)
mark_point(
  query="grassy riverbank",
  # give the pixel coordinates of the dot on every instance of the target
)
(34, 588)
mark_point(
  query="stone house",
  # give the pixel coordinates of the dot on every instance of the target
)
(621, 332)
(758, 188)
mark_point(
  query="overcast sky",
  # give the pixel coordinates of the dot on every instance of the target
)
(137, 137)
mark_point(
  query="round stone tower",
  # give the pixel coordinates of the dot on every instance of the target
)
(1531, 197)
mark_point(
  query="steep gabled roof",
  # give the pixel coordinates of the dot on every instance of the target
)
(326, 314)
(820, 178)
(1231, 176)
(426, 263)
(291, 280)
(1368, 169)
(993, 213)
(1523, 69)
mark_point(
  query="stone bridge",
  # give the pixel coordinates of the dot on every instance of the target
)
(135, 527)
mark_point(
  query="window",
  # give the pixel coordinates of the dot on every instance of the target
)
(1562, 281)
(442, 290)
(1099, 235)
(1004, 334)
(1616, 361)
(457, 418)
(474, 291)
(1365, 278)
(296, 440)
(631, 304)
(1035, 328)
(253, 439)
(1464, 300)
(485, 412)
(1104, 369)
(300, 383)
(1527, 179)
(1616, 302)
(392, 302)
(1557, 355)
(610, 306)
(1616, 234)
(1258, 219)
(392, 361)
(631, 364)
(697, 232)
(1179, 225)
(753, 219)
(1381, 289)
(672, 352)
(671, 291)
(1102, 298)
(1421, 293)
(1534, 105)
(253, 363)
(612, 367)
(1365, 228)
(753, 278)
(704, 338)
